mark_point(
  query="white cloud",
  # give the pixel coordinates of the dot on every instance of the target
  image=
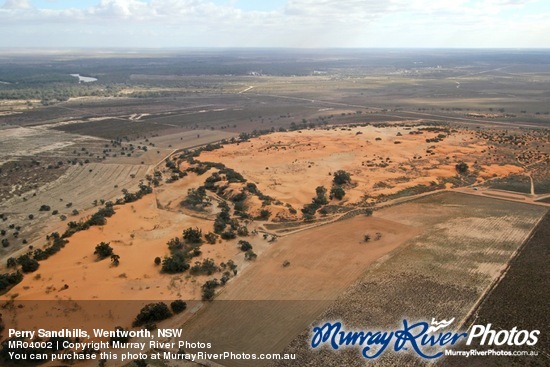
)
(312, 23)
(17, 4)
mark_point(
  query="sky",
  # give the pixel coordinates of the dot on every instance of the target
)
(275, 23)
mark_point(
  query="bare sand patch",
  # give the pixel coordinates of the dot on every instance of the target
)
(264, 308)
(288, 166)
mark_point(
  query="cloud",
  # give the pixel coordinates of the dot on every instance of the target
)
(311, 23)
(16, 4)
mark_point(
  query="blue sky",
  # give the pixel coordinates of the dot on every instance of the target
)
(275, 23)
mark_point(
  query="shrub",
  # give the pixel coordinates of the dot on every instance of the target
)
(28, 265)
(462, 168)
(265, 214)
(242, 231)
(8, 280)
(103, 250)
(208, 289)
(175, 244)
(245, 245)
(174, 264)
(250, 255)
(151, 313)
(192, 235)
(229, 235)
(211, 238)
(341, 177)
(321, 196)
(178, 306)
(208, 266)
(337, 192)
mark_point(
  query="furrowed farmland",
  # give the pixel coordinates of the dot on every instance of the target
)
(526, 283)
(79, 189)
(464, 246)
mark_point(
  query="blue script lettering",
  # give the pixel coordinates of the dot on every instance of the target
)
(412, 335)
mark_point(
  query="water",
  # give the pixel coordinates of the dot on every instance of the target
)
(84, 79)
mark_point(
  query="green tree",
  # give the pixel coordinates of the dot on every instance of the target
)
(28, 264)
(245, 245)
(462, 168)
(195, 197)
(337, 192)
(321, 196)
(341, 177)
(152, 312)
(211, 238)
(103, 250)
(265, 214)
(174, 264)
(193, 235)
(178, 306)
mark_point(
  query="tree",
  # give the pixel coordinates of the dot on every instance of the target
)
(174, 264)
(195, 197)
(178, 306)
(367, 237)
(103, 250)
(175, 244)
(337, 192)
(245, 245)
(341, 177)
(242, 231)
(208, 289)
(211, 238)
(321, 196)
(28, 264)
(152, 312)
(193, 235)
(208, 294)
(265, 214)
(157, 260)
(208, 266)
(228, 235)
(462, 168)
